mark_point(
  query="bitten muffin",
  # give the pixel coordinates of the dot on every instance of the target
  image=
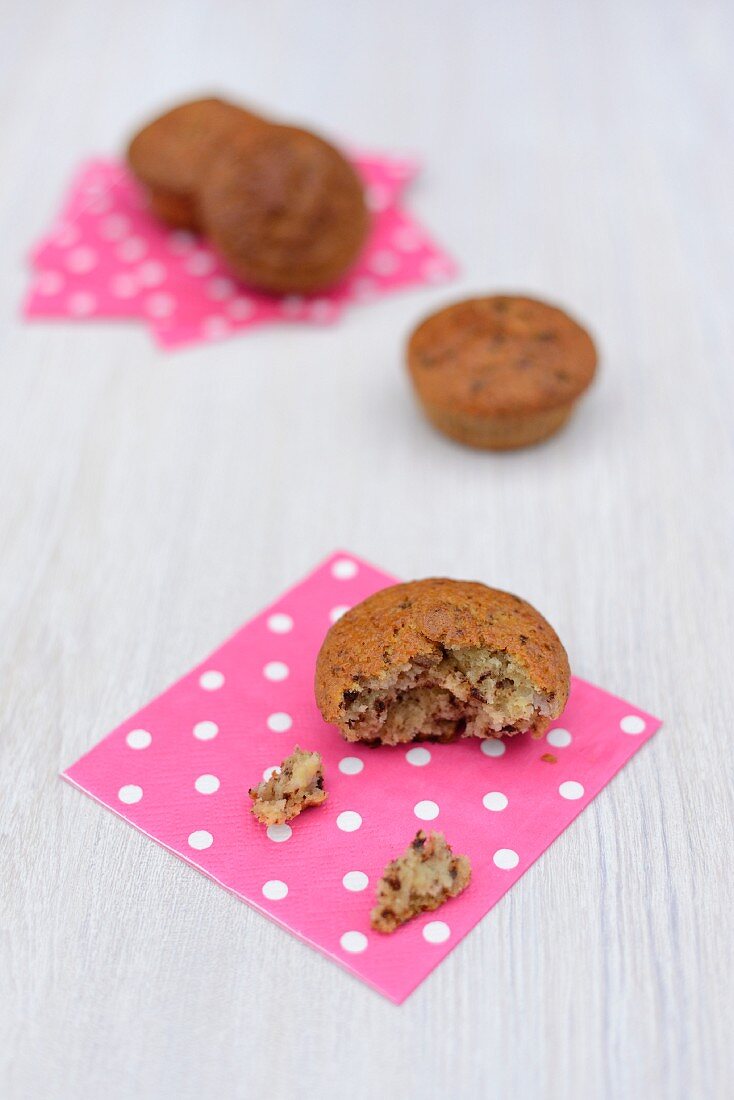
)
(171, 155)
(437, 659)
(296, 785)
(423, 878)
(285, 209)
(500, 372)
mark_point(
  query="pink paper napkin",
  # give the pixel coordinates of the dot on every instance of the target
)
(107, 257)
(179, 771)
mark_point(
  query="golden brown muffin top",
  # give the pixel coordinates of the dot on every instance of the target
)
(285, 208)
(175, 150)
(397, 624)
(500, 356)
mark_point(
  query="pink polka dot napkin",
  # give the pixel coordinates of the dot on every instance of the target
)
(107, 257)
(180, 768)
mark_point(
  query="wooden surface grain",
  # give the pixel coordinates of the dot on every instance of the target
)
(149, 503)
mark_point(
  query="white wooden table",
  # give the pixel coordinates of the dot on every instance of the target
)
(149, 503)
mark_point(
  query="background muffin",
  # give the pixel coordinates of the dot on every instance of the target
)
(437, 659)
(285, 209)
(500, 372)
(173, 152)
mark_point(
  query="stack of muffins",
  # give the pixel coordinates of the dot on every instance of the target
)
(283, 207)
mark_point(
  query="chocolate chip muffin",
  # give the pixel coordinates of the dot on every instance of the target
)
(173, 152)
(285, 209)
(437, 659)
(500, 372)
(423, 878)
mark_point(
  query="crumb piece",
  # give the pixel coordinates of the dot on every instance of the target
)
(549, 758)
(425, 876)
(296, 785)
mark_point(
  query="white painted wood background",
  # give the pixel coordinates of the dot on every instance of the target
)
(149, 503)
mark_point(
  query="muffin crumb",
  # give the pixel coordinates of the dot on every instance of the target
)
(423, 878)
(296, 785)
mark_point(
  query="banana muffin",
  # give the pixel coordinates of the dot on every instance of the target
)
(424, 877)
(171, 155)
(285, 209)
(437, 659)
(500, 372)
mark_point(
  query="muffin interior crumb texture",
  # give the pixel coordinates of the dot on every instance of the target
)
(452, 693)
(421, 879)
(296, 785)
